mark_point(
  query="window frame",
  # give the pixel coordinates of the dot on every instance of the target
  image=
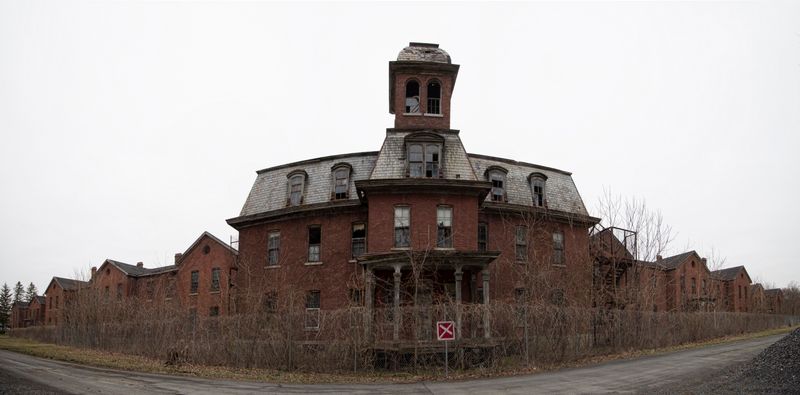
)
(521, 243)
(433, 104)
(194, 282)
(483, 242)
(215, 279)
(314, 254)
(444, 233)
(496, 173)
(347, 170)
(290, 184)
(409, 110)
(402, 229)
(273, 261)
(360, 240)
(313, 305)
(559, 257)
(538, 180)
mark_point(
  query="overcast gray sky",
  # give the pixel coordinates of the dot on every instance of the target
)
(128, 128)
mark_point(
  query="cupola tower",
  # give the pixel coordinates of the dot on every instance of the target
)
(421, 83)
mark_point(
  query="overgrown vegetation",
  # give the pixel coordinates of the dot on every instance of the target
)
(521, 335)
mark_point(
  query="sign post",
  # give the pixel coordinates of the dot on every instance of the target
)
(446, 332)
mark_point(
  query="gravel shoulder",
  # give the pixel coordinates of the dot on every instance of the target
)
(776, 370)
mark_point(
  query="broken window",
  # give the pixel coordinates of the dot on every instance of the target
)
(498, 179)
(151, 289)
(694, 285)
(402, 224)
(195, 282)
(273, 248)
(415, 157)
(431, 160)
(312, 310)
(537, 188)
(434, 98)
(296, 182)
(119, 291)
(521, 243)
(341, 182)
(558, 248)
(359, 240)
(213, 311)
(423, 160)
(314, 240)
(483, 236)
(412, 97)
(444, 227)
(215, 279)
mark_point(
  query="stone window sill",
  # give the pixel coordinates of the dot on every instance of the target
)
(313, 263)
(412, 114)
(434, 115)
(272, 266)
(401, 249)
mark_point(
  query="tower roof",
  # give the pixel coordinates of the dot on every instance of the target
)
(423, 52)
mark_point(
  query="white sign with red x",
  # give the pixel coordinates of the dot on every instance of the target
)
(445, 330)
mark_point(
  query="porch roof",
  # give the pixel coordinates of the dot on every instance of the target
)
(437, 258)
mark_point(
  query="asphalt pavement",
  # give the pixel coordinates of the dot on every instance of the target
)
(623, 376)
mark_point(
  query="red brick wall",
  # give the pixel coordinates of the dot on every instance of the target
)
(537, 273)
(203, 261)
(680, 296)
(333, 276)
(423, 220)
(54, 296)
(36, 312)
(420, 121)
(109, 276)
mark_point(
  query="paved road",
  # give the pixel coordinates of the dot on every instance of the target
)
(618, 376)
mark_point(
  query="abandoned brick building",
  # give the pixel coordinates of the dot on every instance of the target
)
(417, 222)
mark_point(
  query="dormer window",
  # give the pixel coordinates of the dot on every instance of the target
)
(497, 176)
(341, 181)
(297, 180)
(424, 152)
(423, 160)
(434, 98)
(412, 97)
(537, 181)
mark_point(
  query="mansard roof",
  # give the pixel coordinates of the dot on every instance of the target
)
(560, 192)
(391, 159)
(269, 193)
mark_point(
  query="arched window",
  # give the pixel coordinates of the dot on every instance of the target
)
(497, 176)
(537, 181)
(341, 181)
(412, 97)
(295, 186)
(434, 98)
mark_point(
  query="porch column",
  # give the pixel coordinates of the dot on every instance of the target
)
(396, 315)
(487, 332)
(369, 295)
(458, 275)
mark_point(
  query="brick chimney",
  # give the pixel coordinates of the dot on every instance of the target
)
(94, 271)
(705, 261)
(178, 257)
(139, 264)
(658, 258)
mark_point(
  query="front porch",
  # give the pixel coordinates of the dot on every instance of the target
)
(407, 292)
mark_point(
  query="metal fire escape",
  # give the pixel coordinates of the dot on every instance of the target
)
(613, 252)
